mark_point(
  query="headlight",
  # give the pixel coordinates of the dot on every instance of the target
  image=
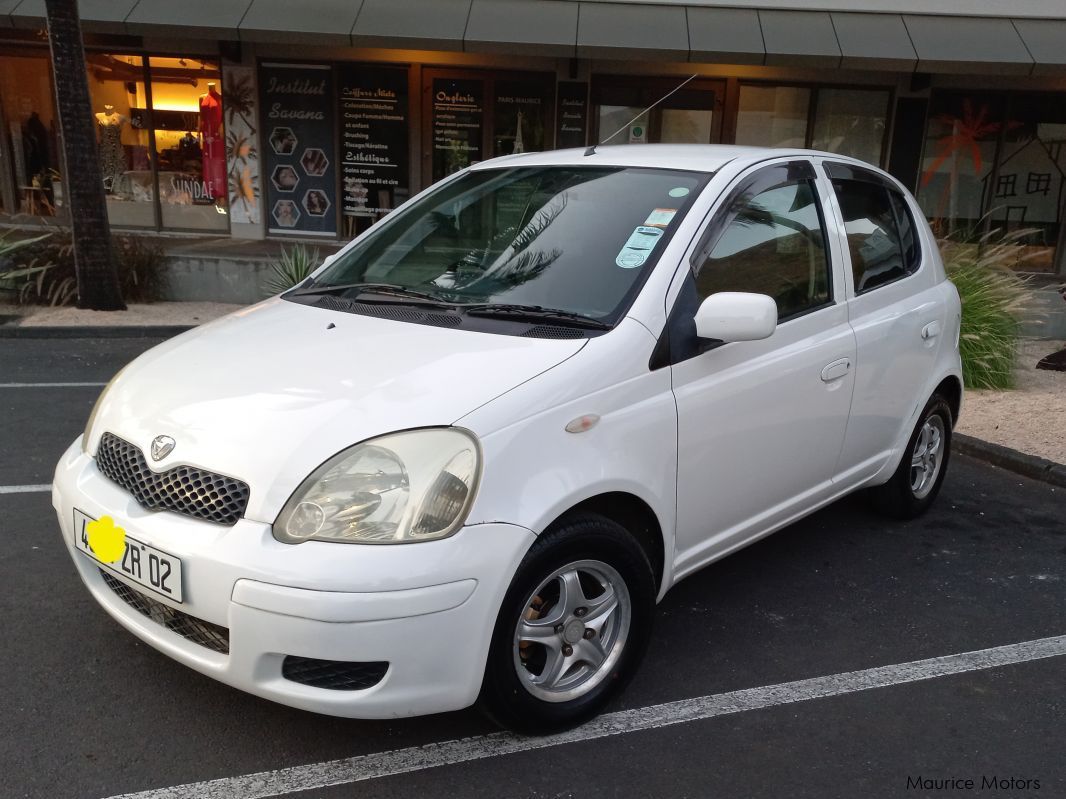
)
(396, 489)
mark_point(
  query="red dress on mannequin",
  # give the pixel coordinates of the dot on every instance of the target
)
(214, 146)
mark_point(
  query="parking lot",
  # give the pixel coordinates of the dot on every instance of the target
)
(739, 694)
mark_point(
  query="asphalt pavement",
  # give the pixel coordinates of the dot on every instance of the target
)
(89, 711)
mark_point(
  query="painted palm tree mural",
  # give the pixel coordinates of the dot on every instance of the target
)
(242, 144)
(959, 149)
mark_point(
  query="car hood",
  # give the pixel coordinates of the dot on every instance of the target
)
(269, 393)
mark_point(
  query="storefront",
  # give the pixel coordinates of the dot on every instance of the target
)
(239, 134)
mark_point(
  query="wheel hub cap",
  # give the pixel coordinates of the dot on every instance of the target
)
(927, 457)
(572, 631)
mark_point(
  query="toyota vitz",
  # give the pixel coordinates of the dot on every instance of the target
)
(464, 459)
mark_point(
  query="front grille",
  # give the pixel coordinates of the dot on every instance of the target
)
(188, 627)
(338, 675)
(182, 489)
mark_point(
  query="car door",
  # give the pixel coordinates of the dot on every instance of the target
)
(895, 309)
(760, 423)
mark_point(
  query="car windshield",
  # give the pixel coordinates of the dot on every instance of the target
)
(569, 239)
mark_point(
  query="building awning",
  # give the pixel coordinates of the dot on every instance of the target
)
(725, 35)
(409, 24)
(209, 18)
(968, 45)
(800, 38)
(613, 29)
(1045, 39)
(97, 16)
(289, 21)
(874, 41)
(622, 30)
(525, 27)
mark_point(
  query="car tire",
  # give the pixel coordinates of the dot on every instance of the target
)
(572, 629)
(917, 480)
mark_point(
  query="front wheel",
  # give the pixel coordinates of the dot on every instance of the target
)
(572, 629)
(916, 482)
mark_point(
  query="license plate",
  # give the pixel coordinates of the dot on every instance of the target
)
(156, 570)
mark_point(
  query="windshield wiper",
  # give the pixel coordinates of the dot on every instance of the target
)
(384, 289)
(534, 313)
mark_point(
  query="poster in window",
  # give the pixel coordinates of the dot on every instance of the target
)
(374, 143)
(572, 115)
(519, 114)
(458, 118)
(297, 126)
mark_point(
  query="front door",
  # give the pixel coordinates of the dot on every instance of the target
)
(761, 423)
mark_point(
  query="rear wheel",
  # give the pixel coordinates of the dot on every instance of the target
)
(572, 628)
(917, 480)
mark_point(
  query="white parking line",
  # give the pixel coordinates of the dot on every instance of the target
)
(416, 758)
(32, 489)
(51, 385)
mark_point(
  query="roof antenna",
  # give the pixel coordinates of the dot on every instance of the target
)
(592, 150)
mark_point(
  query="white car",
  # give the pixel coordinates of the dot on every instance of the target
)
(464, 459)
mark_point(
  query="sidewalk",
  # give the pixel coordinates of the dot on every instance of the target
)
(156, 314)
(1030, 419)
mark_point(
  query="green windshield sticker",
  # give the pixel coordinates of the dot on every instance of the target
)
(680, 191)
(638, 247)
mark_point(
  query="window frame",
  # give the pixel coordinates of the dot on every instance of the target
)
(764, 179)
(839, 170)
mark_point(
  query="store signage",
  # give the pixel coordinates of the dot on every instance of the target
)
(374, 140)
(299, 148)
(457, 125)
(572, 115)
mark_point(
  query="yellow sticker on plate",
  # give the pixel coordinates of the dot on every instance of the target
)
(107, 539)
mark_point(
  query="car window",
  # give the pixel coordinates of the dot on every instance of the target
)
(908, 236)
(773, 244)
(574, 238)
(880, 251)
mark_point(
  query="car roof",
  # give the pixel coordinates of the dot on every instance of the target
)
(699, 157)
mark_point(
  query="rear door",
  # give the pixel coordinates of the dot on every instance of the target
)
(895, 310)
(760, 423)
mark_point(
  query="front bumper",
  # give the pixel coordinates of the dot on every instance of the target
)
(427, 609)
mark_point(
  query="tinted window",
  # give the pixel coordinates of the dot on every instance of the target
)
(908, 236)
(880, 251)
(772, 244)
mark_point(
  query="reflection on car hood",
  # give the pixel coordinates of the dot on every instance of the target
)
(269, 393)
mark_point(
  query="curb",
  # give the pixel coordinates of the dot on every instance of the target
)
(90, 331)
(1031, 466)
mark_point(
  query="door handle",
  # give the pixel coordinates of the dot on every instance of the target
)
(836, 370)
(931, 330)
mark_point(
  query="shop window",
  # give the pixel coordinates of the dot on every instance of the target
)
(29, 145)
(120, 105)
(519, 116)
(851, 122)
(475, 116)
(994, 163)
(773, 116)
(846, 121)
(674, 116)
(190, 144)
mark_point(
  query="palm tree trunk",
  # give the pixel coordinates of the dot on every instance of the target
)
(98, 286)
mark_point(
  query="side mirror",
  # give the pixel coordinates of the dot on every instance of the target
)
(327, 259)
(736, 316)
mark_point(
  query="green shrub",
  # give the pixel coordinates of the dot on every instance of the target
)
(992, 299)
(290, 268)
(41, 270)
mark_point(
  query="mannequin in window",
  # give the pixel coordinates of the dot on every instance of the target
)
(214, 146)
(109, 123)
